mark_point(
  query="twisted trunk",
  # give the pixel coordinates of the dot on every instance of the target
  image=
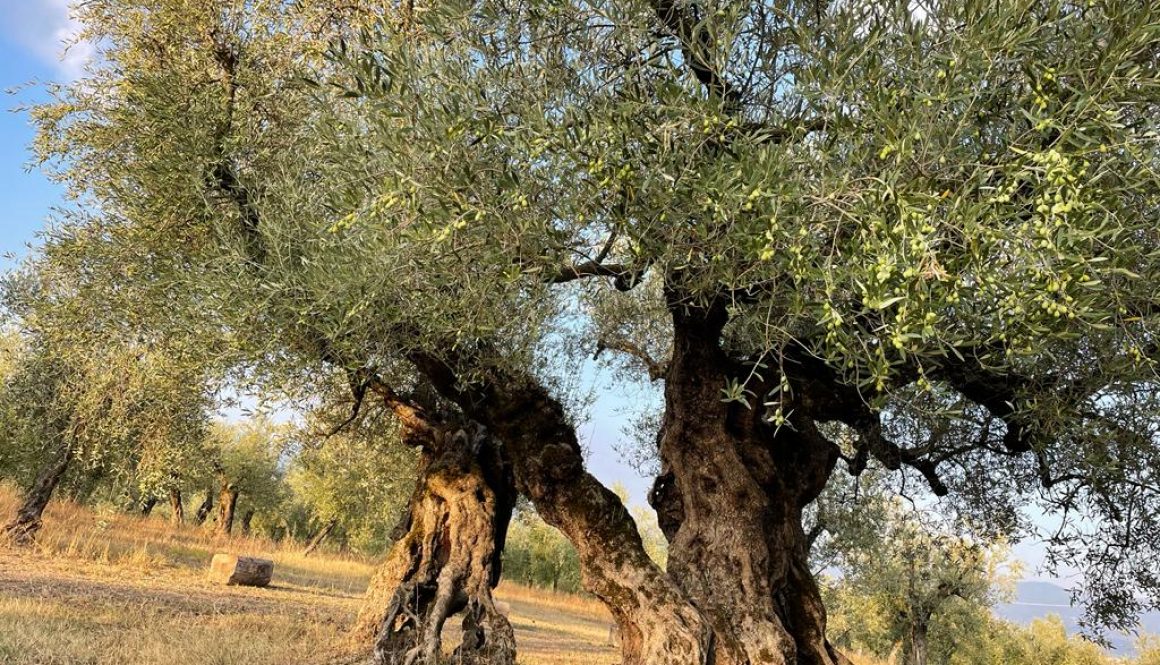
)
(730, 500)
(447, 557)
(28, 519)
(247, 519)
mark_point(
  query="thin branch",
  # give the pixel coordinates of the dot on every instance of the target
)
(656, 370)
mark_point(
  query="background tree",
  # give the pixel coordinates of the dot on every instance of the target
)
(76, 396)
(904, 576)
(248, 471)
(354, 484)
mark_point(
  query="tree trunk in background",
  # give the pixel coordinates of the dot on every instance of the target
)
(447, 556)
(657, 623)
(148, 505)
(204, 509)
(247, 518)
(917, 650)
(319, 537)
(27, 521)
(176, 507)
(227, 503)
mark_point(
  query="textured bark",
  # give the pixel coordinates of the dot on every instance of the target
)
(205, 508)
(730, 500)
(657, 623)
(227, 504)
(176, 507)
(28, 519)
(447, 557)
(319, 537)
(247, 518)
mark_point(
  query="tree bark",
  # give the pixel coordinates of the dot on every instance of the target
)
(28, 519)
(320, 536)
(730, 500)
(227, 503)
(176, 507)
(148, 505)
(447, 558)
(247, 518)
(657, 623)
(205, 508)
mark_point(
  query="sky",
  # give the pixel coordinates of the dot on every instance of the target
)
(32, 34)
(30, 55)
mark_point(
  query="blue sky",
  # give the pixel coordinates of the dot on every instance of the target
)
(30, 36)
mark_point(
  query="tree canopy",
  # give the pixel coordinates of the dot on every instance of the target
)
(934, 228)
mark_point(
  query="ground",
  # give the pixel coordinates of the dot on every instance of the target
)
(114, 589)
(106, 588)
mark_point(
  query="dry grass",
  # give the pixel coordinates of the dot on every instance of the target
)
(115, 589)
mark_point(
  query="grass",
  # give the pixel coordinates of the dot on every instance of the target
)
(106, 588)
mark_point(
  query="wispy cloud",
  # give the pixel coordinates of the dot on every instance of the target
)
(48, 30)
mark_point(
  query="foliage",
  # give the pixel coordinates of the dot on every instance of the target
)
(362, 479)
(955, 209)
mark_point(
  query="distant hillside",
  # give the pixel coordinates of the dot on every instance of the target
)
(1036, 600)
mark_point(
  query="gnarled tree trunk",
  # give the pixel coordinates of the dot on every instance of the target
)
(23, 527)
(446, 559)
(148, 505)
(247, 519)
(738, 590)
(730, 500)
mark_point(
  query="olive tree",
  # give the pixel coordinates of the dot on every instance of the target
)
(933, 226)
(74, 397)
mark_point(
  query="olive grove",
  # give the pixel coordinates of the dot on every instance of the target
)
(920, 237)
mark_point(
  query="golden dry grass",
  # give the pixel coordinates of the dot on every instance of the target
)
(105, 588)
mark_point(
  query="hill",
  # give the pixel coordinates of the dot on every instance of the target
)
(1036, 600)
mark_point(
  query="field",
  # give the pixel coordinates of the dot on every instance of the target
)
(113, 589)
(116, 589)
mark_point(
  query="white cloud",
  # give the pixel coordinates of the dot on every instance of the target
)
(47, 29)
